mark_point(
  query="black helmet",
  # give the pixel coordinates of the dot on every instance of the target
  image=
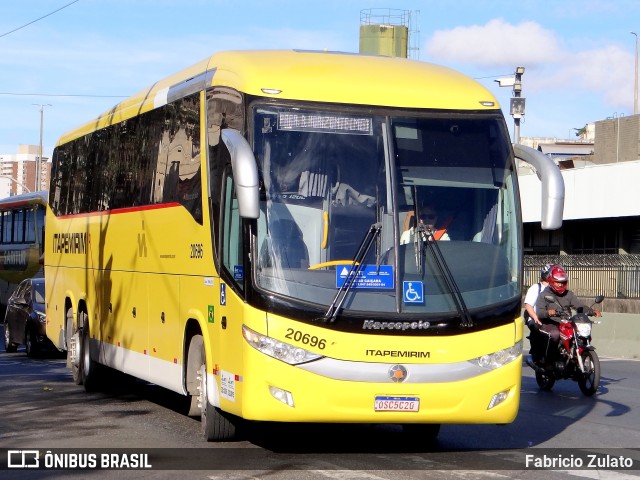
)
(545, 271)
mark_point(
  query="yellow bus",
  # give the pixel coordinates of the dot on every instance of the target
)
(21, 241)
(233, 233)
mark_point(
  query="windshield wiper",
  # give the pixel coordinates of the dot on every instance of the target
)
(356, 265)
(425, 235)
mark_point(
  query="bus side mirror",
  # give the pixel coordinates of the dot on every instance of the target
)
(552, 185)
(245, 172)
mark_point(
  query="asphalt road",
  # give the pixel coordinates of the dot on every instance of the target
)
(41, 408)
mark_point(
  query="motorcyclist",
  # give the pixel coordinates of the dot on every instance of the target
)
(538, 341)
(555, 300)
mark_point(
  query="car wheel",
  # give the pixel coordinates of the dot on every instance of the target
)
(9, 346)
(30, 343)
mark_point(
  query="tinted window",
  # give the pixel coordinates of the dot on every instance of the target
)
(150, 159)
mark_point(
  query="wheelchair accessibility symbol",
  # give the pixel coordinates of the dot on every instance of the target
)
(413, 292)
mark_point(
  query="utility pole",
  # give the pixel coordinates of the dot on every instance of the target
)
(517, 103)
(635, 79)
(39, 158)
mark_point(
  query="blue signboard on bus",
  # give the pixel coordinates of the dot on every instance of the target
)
(369, 276)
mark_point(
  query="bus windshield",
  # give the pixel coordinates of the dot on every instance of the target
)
(328, 177)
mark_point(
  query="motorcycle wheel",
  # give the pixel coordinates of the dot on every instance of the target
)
(590, 379)
(545, 380)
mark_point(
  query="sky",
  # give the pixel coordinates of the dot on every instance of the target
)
(85, 56)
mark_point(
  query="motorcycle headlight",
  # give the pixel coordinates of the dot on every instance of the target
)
(42, 318)
(584, 329)
(275, 348)
(498, 359)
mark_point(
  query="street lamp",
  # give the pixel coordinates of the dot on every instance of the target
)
(16, 181)
(635, 89)
(39, 159)
(517, 101)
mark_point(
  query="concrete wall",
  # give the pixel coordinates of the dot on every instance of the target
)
(617, 335)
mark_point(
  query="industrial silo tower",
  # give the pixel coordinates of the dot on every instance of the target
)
(387, 31)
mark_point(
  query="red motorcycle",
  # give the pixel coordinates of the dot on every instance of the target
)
(576, 358)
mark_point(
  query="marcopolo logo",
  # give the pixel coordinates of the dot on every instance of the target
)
(373, 325)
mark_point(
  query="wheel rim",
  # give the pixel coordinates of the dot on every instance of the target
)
(202, 397)
(590, 373)
(86, 357)
(7, 336)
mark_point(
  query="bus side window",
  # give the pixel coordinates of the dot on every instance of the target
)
(232, 257)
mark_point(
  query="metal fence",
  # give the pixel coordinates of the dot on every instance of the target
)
(614, 276)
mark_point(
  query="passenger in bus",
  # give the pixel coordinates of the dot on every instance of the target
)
(429, 220)
(345, 194)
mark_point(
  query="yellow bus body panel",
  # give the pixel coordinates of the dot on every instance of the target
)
(321, 398)
(315, 76)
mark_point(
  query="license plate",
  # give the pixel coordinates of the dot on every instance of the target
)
(396, 404)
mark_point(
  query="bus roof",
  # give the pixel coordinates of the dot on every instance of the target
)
(41, 197)
(330, 77)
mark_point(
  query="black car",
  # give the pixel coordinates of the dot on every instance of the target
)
(25, 319)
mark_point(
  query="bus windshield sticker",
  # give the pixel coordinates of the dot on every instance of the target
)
(413, 292)
(369, 276)
(238, 272)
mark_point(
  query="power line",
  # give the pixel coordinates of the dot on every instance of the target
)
(37, 19)
(493, 76)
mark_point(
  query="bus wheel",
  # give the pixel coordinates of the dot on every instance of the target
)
(9, 346)
(73, 349)
(88, 367)
(216, 425)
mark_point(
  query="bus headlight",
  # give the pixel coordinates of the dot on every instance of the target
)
(498, 359)
(275, 348)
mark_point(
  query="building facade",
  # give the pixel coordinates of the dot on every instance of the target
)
(18, 171)
(599, 241)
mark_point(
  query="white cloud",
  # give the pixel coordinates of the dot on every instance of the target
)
(607, 70)
(604, 72)
(495, 44)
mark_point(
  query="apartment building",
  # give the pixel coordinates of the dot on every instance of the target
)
(18, 171)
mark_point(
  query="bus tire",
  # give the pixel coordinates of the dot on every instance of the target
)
(216, 425)
(88, 367)
(72, 335)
